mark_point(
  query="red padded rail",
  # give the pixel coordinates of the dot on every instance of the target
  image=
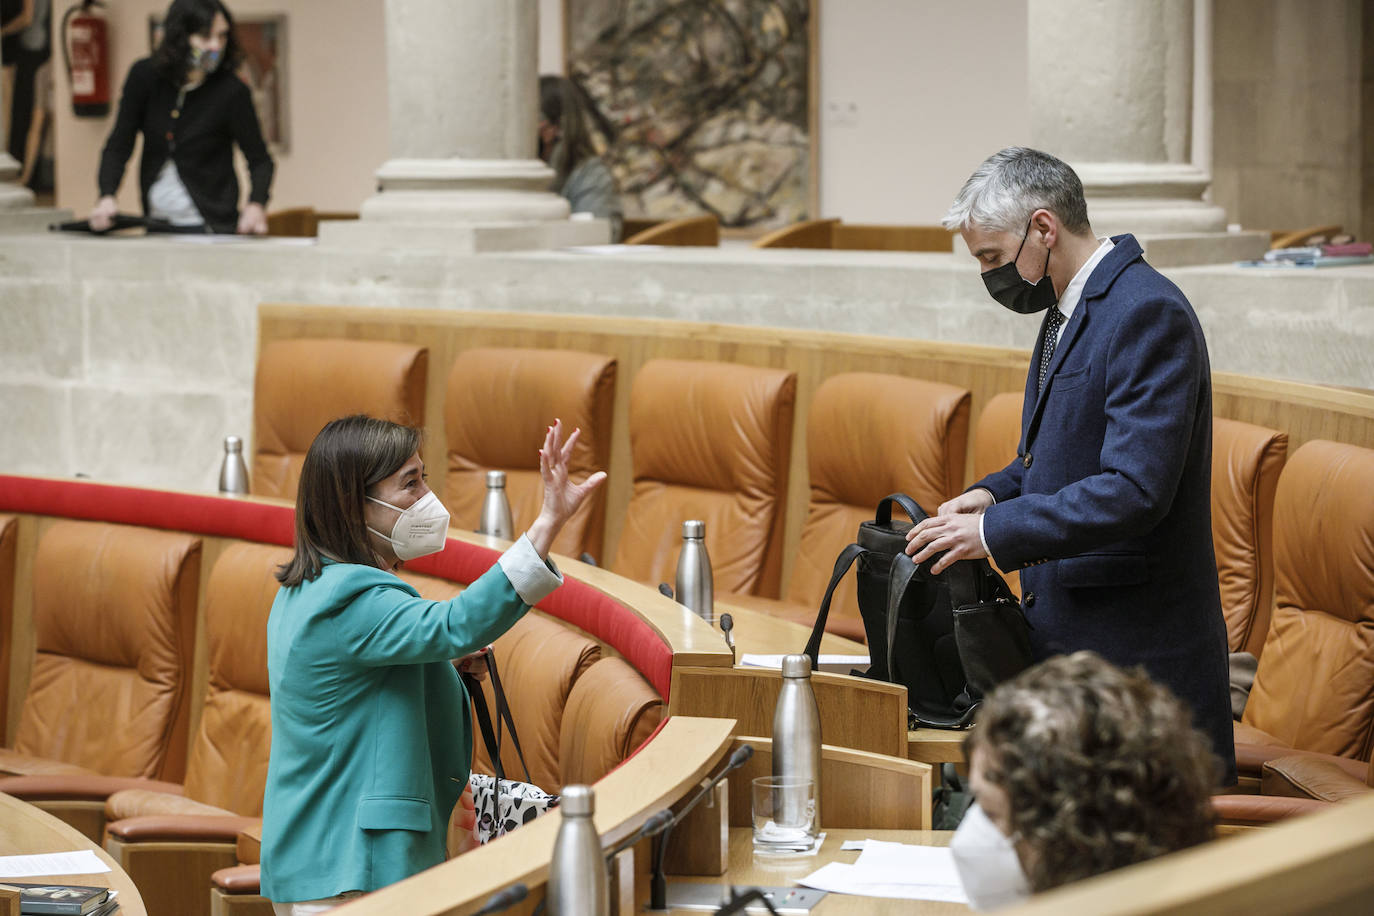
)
(221, 516)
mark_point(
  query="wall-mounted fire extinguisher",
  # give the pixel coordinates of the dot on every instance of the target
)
(86, 49)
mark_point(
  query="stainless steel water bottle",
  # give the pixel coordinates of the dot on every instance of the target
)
(694, 584)
(577, 874)
(233, 473)
(797, 727)
(496, 519)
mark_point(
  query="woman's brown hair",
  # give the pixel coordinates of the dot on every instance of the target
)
(1101, 766)
(348, 456)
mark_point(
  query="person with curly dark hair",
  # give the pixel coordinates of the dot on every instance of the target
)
(1078, 768)
(191, 108)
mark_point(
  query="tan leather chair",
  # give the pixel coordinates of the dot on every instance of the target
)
(868, 435)
(997, 433)
(170, 843)
(539, 662)
(303, 384)
(1314, 689)
(114, 622)
(996, 436)
(710, 441)
(9, 538)
(1246, 461)
(611, 711)
(1294, 785)
(499, 405)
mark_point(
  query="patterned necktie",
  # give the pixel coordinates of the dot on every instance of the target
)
(1052, 323)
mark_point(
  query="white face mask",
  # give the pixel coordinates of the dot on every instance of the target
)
(987, 863)
(421, 530)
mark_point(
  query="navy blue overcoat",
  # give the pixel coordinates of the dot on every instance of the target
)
(1107, 508)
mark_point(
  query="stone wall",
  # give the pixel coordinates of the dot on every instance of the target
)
(131, 359)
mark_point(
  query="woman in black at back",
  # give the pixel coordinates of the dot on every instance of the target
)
(191, 109)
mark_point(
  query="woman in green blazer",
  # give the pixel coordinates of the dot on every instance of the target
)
(371, 737)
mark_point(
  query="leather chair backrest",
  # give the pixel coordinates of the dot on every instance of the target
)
(611, 711)
(1314, 689)
(228, 765)
(303, 384)
(710, 441)
(997, 433)
(1246, 461)
(869, 435)
(114, 610)
(9, 538)
(540, 662)
(500, 403)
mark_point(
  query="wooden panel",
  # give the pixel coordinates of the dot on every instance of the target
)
(691, 230)
(9, 538)
(811, 233)
(855, 712)
(662, 772)
(935, 745)
(1314, 864)
(858, 237)
(747, 870)
(28, 831)
(858, 789)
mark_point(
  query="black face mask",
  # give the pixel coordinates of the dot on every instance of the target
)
(1008, 287)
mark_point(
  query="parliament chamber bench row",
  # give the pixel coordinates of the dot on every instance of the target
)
(171, 854)
(138, 682)
(707, 431)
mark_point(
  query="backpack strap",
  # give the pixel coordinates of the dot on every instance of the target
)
(489, 738)
(503, 712)
(907, 504)
(842, 563)
(903, 571)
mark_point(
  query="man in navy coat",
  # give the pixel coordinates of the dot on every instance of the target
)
(1106, 509)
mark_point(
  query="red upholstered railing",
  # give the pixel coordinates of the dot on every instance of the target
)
(219, 516)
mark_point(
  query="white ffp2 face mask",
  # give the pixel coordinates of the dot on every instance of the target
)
(422, 528)
(987, 863)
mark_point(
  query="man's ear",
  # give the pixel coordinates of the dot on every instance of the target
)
(1047, 224)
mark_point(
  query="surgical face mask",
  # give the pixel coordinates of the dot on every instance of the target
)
(206, 60)
(987, 863)
(1007, 286)
(421, 529)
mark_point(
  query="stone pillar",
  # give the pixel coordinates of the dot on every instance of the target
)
(1111, 93)
(464, 171)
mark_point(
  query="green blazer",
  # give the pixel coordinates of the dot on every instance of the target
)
(371, 735)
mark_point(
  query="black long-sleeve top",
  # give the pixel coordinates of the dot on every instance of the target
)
(213, 117)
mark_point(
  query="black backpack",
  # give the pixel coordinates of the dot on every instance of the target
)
(948, 639)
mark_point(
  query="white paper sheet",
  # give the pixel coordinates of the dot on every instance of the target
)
(836, 664)
(84, 862)
(893, 870)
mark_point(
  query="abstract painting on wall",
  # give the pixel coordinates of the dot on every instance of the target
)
(701, 107)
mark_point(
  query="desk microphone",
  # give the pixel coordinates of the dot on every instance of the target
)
(665, 589)
(504, 899)
(658, 885)
(739, 902)
(651, 827)
(727, 623)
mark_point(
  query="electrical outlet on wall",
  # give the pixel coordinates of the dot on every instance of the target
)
(842, 113)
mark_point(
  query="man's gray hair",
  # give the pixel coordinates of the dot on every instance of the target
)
(1010, 185)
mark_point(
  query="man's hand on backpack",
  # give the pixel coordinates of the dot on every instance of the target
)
(955, 533)
(972, 501)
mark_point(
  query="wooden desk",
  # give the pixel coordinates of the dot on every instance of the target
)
(746, 871)
(29, 831)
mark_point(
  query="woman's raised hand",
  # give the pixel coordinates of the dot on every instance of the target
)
(562, 497)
